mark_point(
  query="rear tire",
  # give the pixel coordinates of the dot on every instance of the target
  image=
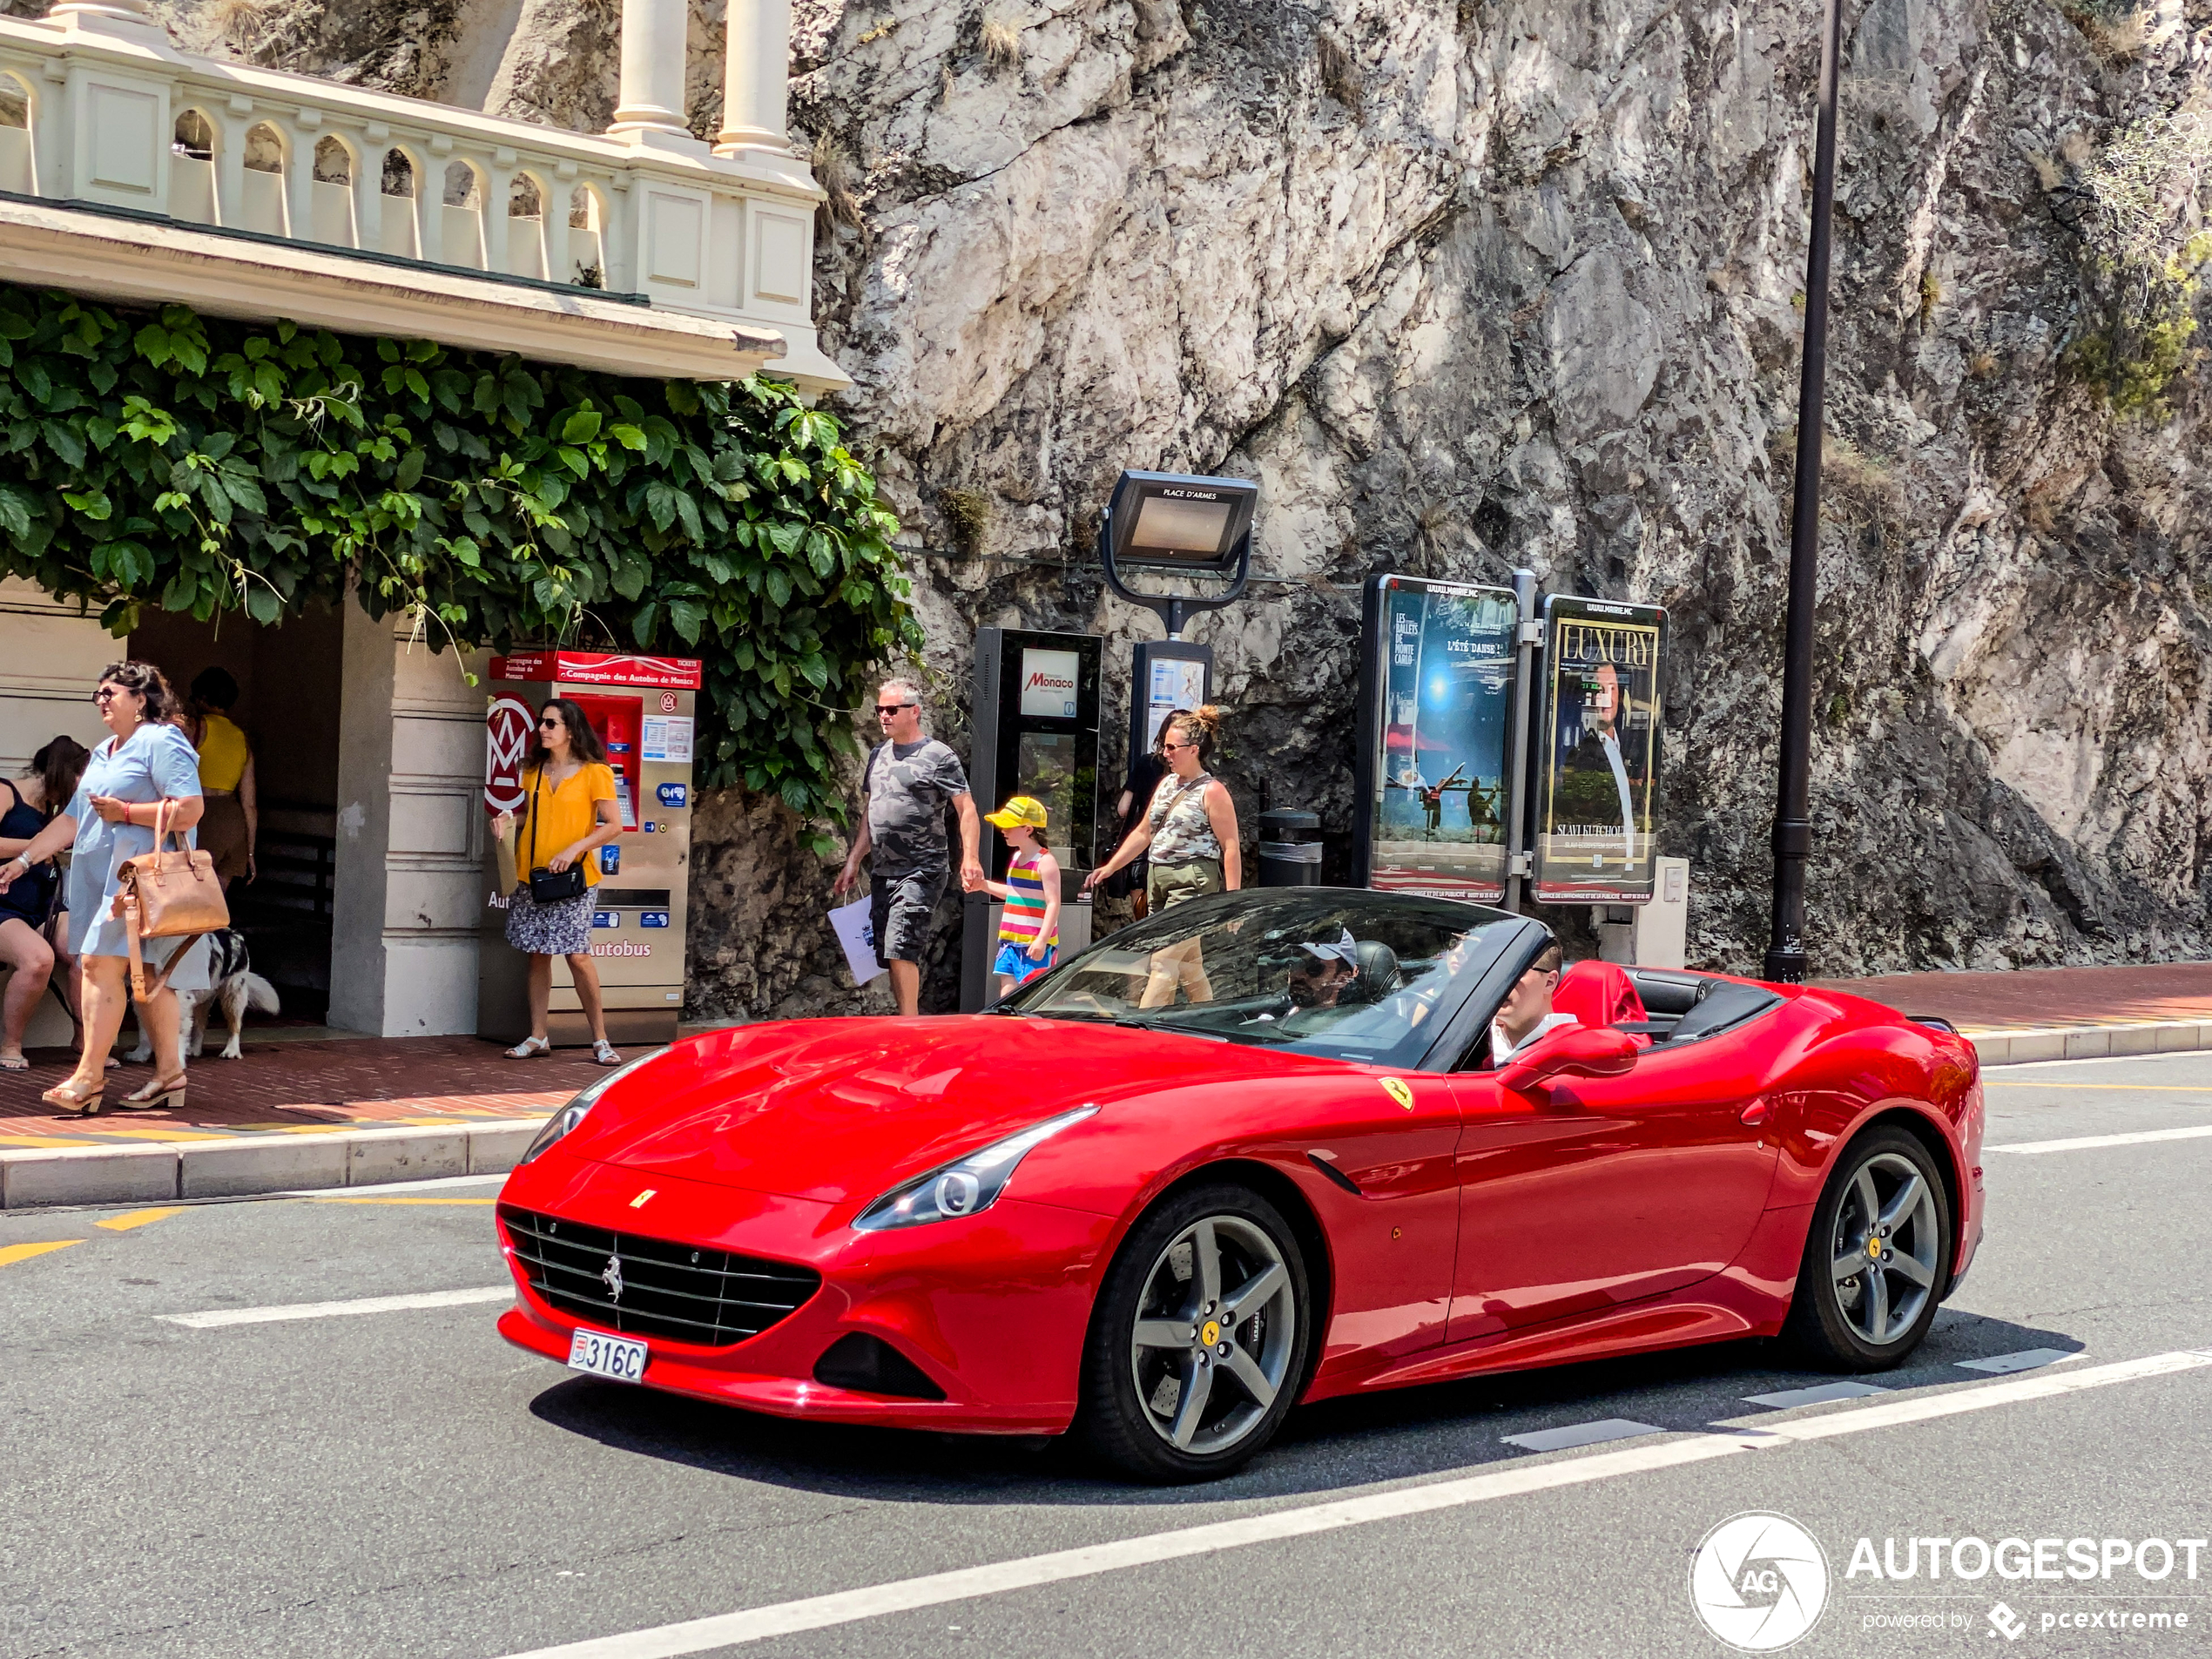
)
(1159, 1401)
(1877, 1257)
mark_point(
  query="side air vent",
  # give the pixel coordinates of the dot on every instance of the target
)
(870, 1366)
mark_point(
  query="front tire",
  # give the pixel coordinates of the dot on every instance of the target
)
(1877, 1257)
(1198, 1342)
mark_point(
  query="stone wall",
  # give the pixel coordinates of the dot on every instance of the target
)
(1489, 283)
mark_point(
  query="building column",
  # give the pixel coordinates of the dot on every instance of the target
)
(653, 43)
(757, 71)
(128, 16)
(410, 836)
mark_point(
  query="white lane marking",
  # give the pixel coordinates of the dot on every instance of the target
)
(215, 1317)
(431, 1185)
(1819, 1394)
(1573, 1435)
(2102, 1060)
(2083, 1143)
(1997, 1365)
(846, 1606)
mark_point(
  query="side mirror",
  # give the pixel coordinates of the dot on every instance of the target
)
(1582, 1051)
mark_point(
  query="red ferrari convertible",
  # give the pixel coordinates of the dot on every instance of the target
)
(1251, 1151)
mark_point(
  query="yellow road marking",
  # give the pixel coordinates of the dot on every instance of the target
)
(402, 1201)
(24, 1252)
(161, 1135)
(124, 1223)
(44, 1140)
(2147, 1089)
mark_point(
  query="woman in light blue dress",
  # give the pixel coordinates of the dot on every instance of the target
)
(110, 818)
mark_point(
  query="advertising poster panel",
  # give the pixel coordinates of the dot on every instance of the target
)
(1598, 752)
(1440, 676)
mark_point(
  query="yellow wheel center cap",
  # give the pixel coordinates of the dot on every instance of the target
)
(1209, 1333)
(1874, 1248)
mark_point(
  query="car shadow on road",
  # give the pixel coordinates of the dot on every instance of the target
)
(1402, 1434)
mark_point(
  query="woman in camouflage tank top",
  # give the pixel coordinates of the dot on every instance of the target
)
(1190, 837)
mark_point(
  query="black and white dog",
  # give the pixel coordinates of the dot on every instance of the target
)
(227, 982)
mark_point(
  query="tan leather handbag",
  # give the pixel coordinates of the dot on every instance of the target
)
(167, 895)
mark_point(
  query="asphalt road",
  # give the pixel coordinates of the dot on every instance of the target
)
(403, 1482)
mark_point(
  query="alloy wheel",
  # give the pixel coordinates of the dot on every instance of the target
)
(1215, 1334)
(1885, 1260)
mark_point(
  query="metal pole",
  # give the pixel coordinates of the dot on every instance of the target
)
(1785, 951)
(1516, 780)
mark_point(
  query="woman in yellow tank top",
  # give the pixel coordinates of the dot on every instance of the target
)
(232, 822)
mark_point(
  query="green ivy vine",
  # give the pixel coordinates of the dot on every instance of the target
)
(196, 465)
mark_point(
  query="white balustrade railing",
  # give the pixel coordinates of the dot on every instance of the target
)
(115, 116)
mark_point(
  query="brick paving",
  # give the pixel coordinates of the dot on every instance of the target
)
(301, 1086)
(2045, 998)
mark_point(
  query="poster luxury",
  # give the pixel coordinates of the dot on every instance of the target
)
(1598, 757)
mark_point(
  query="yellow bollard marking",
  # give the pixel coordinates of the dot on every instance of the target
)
(13, 1253)
(131, 1218)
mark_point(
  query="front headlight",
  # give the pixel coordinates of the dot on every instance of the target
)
(564, 1121)
(965, 1186)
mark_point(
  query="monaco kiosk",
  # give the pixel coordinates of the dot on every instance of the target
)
(1035, 728)
(642, 707)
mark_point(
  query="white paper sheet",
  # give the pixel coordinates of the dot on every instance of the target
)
(854, 932)
(667, 738)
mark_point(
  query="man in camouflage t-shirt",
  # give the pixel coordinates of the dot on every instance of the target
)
(908, 780)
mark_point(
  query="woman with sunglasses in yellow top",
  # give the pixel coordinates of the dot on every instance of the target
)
(569, 813)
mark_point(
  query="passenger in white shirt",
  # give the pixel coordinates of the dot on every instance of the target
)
(1526, 1018)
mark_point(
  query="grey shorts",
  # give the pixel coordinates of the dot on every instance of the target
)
(900, 909)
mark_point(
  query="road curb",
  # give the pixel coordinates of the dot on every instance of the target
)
(2091, 1042)
(241, 1166)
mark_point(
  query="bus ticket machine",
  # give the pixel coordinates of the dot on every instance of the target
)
(642, 708)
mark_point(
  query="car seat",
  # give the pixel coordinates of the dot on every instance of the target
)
(1600, 993)
(1378, 974)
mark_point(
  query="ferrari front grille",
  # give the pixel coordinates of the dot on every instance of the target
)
(652, 1287)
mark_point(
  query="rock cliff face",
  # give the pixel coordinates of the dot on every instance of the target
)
(1517, 282)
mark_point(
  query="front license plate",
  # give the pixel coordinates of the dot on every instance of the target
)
(605, 1356)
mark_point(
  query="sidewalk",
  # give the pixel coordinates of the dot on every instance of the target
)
(2060, 1013)
(289, 1113)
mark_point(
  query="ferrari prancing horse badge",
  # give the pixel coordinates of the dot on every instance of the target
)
(1397, 1090)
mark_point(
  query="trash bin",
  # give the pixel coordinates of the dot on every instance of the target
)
(1290, 848)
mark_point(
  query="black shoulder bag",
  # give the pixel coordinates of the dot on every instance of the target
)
(547, 888)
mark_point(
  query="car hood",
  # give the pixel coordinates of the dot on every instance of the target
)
(839, 1110)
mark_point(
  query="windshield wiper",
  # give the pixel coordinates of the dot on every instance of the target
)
(1180, 1029)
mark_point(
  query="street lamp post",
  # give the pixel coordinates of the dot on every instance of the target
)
(1785, 951)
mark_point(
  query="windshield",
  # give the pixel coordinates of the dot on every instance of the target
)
(1346, 973)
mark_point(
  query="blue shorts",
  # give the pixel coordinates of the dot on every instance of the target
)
(1015, 962)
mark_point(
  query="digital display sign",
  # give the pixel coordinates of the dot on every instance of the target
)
(1438, 698)
(1170, 521)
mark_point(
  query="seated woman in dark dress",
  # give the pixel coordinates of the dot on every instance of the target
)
(26, 804)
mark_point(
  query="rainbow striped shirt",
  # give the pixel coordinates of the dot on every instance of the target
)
(1024, 916)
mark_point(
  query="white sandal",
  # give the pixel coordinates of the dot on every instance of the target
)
(530, 1048)
(602, 1053)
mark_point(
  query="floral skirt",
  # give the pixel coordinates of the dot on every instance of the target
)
(562, 929)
